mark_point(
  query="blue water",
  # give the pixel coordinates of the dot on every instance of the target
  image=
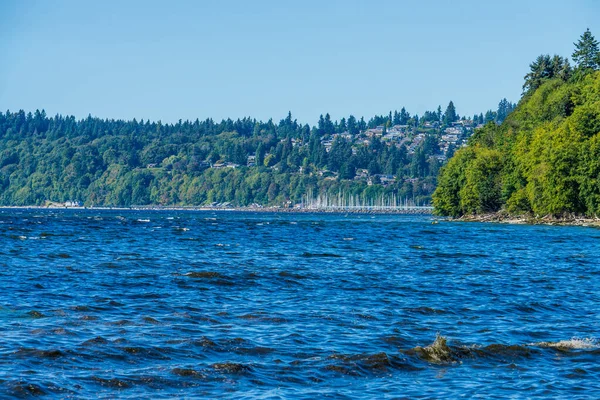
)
(142, 304)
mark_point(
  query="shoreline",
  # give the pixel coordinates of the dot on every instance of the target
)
(502, 218)
(227, 209)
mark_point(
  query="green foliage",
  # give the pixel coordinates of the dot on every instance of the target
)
(125, 163)
(544, 159)
(545, 68)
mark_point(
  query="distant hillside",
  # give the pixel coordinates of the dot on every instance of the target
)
(98, 162)
(543, 160)
(388, 160)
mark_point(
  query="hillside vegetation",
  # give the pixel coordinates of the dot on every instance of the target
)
(543, 160)
(101, 162)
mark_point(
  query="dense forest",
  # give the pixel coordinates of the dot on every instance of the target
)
(100, 162)
(545, 158)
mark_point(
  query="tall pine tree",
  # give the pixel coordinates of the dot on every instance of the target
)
(586, 54)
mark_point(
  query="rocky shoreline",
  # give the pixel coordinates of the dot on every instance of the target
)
(504, 218)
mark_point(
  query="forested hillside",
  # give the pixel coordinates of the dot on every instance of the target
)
(99, 162)
(545, 158)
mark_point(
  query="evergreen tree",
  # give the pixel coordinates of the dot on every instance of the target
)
(342, 127)
(404, 116)
(504, 108)
(543, 68)
(450, 114)
(396, 119)
(586, 54)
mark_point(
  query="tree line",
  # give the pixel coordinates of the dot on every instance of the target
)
(107, 162)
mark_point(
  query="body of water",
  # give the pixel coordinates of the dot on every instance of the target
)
(143, 304)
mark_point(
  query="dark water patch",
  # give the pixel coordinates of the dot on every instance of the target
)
(35, 314)
(97, 341)
(149, 295)
(231, 368)
(62, 331)
(152, 321)
(511, 352)
(366, 364)
(214, 278)
(367, 317)
(426, 310)
(204, 342)
(292, 275)
(254, 351)
(145, 352)
(577, 373)
(122, 322)
(205, 275)
(22, 389)
(188, 373)
(263, 317)
(250, 316)
(38, 353)
(113, 383)
(59, 255)
(108, 265)
(320, 255)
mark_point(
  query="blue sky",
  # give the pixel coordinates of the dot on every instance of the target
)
(164, 60)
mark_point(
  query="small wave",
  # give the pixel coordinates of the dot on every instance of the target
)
(572, 344)
(439, 352)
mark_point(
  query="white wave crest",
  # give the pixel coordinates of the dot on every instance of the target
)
(574, 343)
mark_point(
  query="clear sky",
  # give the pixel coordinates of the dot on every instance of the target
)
(166, 60)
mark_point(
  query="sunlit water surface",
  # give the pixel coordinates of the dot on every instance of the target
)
(143, 304)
